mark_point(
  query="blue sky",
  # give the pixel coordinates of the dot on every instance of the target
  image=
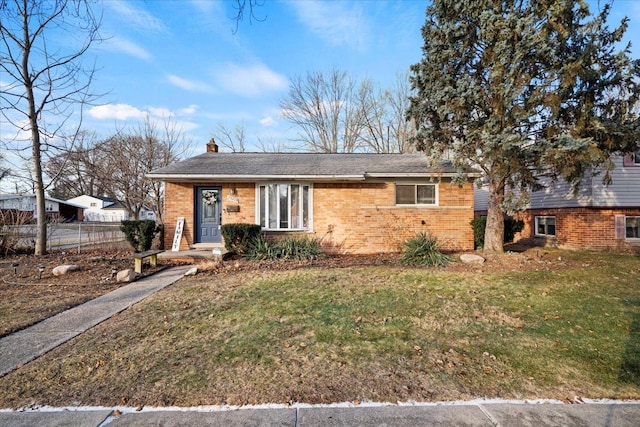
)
(181, 59)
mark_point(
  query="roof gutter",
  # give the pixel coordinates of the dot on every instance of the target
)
(419, 175)
(252, 178)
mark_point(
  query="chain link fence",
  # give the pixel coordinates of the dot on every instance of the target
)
(67, 235)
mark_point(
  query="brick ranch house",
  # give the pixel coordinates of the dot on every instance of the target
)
(356, 203)
(597, 217)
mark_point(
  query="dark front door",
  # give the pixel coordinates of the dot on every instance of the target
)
(208, 214)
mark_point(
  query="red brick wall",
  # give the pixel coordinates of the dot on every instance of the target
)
(350, 218)
(578, 228)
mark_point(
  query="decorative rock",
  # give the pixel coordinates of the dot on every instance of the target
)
(192, 271)
(61, 270)
(472, 259)
(127, 275)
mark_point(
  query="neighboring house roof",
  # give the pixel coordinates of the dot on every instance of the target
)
(50, 199)
(310, 166)
(113, 205)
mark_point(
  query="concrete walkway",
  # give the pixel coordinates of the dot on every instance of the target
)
(480, 415)
(25, 345)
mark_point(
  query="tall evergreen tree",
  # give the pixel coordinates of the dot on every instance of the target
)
(527, 91)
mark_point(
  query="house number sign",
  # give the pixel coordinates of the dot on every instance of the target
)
(178, 234)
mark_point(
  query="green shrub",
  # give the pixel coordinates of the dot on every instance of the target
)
(511, 227)
(139, 233)
(423, 249)
(260, 248)
(237, 237)
(299, 248)
(291, 248)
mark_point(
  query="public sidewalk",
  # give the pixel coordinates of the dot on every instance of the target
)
(25, 345)
(479, 414)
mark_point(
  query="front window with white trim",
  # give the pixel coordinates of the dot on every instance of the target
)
(416, 194)
(284, 206)
(545, 225)
(632, 227)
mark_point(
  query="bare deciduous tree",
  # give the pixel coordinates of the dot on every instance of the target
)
(336, 114)
(270, 145)
(44, 85)
(232, 139)
(326, 108)
(74, 172)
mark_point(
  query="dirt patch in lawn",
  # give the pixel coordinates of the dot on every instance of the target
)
(28, 295)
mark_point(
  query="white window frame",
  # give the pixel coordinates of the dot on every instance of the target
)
(415, 185)
(545, 234)
(637, 217)
(301, 185)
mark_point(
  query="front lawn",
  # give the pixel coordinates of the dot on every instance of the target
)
(383, 334)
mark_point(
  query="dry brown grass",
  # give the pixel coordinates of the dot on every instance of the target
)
(557, 327)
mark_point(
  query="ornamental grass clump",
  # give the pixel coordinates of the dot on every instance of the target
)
(291, 248)
(423, 249)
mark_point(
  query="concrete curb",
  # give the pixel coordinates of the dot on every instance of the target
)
(489, 414)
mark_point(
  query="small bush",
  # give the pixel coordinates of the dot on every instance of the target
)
(139, 233)
(511, 227)
(291, 248)
(237, 237)
(423, 249)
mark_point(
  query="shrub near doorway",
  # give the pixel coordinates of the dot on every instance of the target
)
(139, 233)
(238, 237)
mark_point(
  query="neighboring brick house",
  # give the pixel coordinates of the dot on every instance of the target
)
(356, 203)
(598, 216)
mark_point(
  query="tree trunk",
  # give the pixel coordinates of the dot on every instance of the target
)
(41, 211)
(494, 232)
(36, 152)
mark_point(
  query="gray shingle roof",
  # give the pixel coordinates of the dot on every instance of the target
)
(260, 166)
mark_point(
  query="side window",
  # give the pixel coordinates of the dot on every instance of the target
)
(632, 227)
(545, 225)
(416, 194)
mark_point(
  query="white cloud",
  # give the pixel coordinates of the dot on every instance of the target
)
(336, 22)
(268, 121)
(135, 17)
(189, 110)
(208, 7)
(250, 81)
(128, 47)
(189, 85)
(161, 112)
(116, 111)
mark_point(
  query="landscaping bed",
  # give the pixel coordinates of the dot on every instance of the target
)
(28, 296)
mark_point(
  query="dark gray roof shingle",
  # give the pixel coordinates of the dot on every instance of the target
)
(300, 165)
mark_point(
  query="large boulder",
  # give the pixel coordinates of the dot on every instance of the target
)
(61, 270)
(471, 259)
(127, 275)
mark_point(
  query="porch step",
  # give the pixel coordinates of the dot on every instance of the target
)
(205, 246)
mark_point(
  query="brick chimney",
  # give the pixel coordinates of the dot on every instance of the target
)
(212, 147)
